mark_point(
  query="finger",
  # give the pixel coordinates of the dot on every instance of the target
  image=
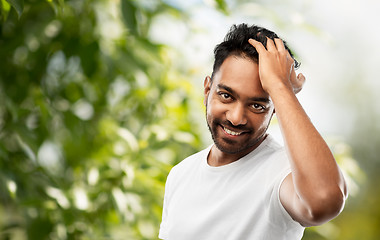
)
(257, 45)
(279, 44)
(289, 57)
(300, 82)
(293, 76)
(270, 45)
(301, 78)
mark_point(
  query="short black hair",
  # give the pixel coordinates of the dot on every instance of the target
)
(236, 43)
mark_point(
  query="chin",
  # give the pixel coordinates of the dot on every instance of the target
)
(230, 147)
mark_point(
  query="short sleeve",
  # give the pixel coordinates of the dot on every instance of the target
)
(278, 214)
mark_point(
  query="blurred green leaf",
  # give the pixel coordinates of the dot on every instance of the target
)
(129, 12)
(18, 5)
(5, 8)
(222, 5)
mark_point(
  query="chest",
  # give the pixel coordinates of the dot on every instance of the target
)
(227, 201)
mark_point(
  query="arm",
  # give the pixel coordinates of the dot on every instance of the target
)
(315, 191)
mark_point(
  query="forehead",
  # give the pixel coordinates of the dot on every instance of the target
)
(240, 74)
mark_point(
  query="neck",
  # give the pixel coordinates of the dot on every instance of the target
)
(217, 158)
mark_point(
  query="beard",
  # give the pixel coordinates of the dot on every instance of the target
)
(231, 146)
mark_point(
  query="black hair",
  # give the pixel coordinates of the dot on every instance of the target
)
(236, 43)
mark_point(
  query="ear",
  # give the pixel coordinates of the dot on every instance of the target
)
(207, 88)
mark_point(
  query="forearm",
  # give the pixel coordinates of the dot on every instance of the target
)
(316, 175)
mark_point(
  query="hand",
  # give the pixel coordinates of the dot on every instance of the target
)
(276, 64)
(297, 81)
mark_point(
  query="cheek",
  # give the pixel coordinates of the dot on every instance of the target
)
(215, 109)
(263, 122)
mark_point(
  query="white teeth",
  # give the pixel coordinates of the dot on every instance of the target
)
(231, 132)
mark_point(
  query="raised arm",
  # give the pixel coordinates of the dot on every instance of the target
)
(315, 191)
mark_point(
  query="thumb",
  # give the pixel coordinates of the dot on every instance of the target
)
(300, 81)
(301, 78)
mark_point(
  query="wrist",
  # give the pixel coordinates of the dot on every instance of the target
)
(279, 87)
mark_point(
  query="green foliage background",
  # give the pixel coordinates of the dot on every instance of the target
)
(90, 123)
(93, 115)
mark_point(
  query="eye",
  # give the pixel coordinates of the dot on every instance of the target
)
(225, 96)
(258, 107)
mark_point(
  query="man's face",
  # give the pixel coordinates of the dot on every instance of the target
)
(238, 110)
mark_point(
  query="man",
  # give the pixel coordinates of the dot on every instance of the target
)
(246, 186)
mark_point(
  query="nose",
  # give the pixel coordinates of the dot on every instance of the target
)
(236, 115)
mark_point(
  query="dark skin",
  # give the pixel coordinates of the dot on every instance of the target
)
(238, 110)
(315, 191)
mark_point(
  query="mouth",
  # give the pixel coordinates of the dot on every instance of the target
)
(232, 132)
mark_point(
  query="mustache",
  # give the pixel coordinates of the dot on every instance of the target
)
(229, 125)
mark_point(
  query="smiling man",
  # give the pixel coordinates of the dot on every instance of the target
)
(245, 185)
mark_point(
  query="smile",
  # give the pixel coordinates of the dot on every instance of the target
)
(232, 132)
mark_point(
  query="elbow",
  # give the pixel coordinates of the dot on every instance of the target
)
(325, 207)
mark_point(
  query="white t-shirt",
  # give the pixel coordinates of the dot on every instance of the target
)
(236, 201)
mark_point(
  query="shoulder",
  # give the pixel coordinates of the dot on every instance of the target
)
(189, 164)
(273, 151)
(274, 159)
(192, 160)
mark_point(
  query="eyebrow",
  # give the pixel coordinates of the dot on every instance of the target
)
(233, 92)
